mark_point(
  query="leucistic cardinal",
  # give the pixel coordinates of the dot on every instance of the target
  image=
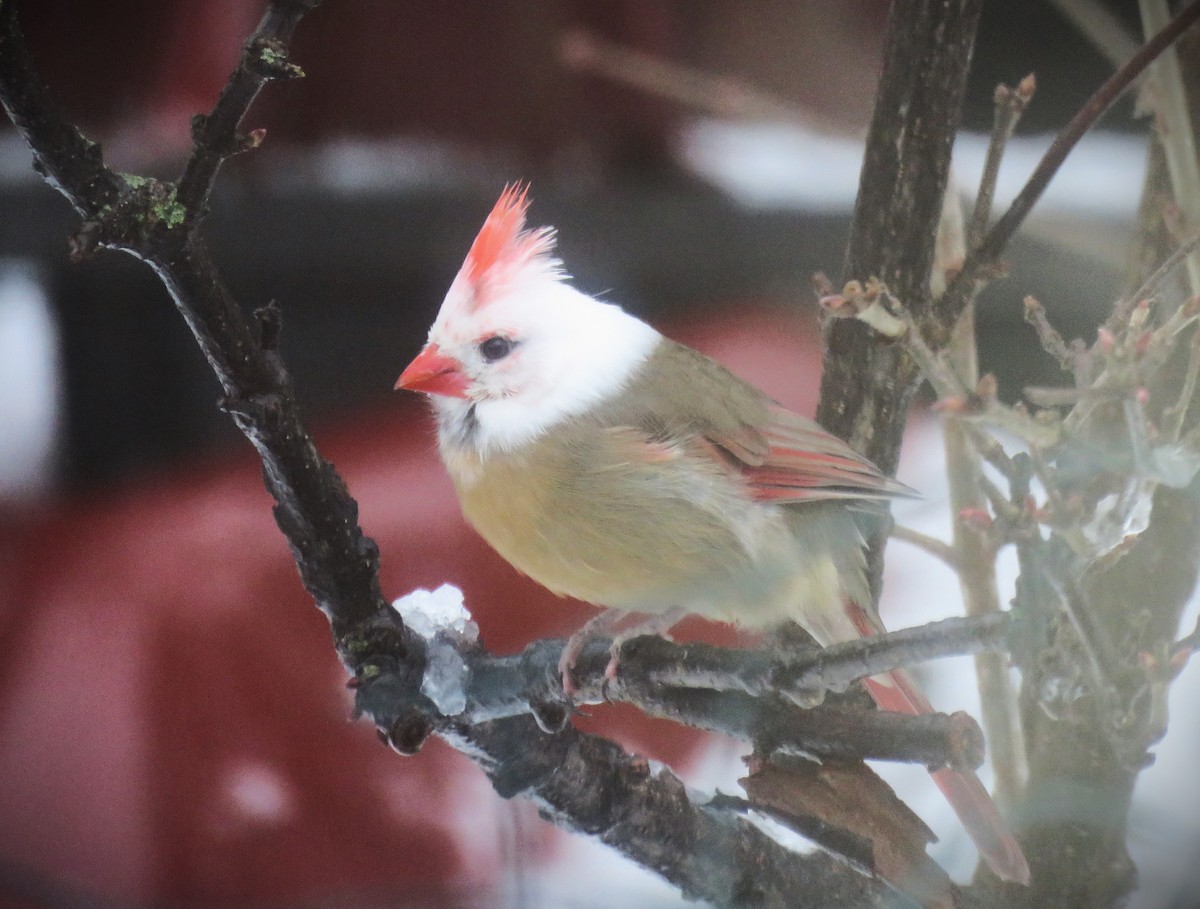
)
(613, 465)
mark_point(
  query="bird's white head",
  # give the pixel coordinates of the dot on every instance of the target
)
(515, 349)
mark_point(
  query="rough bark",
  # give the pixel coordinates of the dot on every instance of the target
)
(867, 384)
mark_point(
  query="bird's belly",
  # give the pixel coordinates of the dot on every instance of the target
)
(614, 543)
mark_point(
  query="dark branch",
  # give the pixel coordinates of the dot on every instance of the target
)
(590, 786)
(866, 385)
(933, 740)
(215, 137)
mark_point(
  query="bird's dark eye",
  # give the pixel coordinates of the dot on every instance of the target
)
(495, 348)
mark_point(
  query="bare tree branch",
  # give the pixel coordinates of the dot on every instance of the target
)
(214, 136)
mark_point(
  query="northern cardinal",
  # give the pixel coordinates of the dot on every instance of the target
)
(616, 466)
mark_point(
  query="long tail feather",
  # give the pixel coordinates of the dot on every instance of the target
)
(963, 791)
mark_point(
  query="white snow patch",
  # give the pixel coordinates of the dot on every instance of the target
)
(777, 165)
(785, 836)
(430, 612)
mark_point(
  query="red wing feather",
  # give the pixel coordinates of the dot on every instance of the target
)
(797, 461)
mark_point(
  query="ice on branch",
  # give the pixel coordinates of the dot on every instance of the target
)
(440, 617)
(1120, 516)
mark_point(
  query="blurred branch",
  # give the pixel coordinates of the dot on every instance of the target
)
(975, 544)
(722, 96)
(1123, 309)
(1103, 29)
(939, 549)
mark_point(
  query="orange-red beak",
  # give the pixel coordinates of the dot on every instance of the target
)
(434, 373)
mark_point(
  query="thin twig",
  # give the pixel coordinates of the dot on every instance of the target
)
(1060, 569)
(991, 450)
(1064, 397)
(974, 546)
(975, 552)
(952, 302)
(1009, 104)
(723, 96)
(1000, 503)
(214, 136)
(1124, 306)
(946, 384)
(1101, 100)
(1047, 476)
(968, 405)
(1052, 341)
(932, 545)
(1177, 413)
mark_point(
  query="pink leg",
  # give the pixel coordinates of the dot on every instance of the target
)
(595, 626)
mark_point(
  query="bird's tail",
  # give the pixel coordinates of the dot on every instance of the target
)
(842, 619)
(963, 791)
(898, 691)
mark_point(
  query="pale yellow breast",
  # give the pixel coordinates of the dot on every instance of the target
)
(586, 517)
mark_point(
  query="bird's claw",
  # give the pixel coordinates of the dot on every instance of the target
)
(614, 661)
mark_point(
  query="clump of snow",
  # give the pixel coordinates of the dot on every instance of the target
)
(440, 617)
(429, 612)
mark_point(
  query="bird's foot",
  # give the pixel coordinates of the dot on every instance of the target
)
(575, 643)
(655, 625)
